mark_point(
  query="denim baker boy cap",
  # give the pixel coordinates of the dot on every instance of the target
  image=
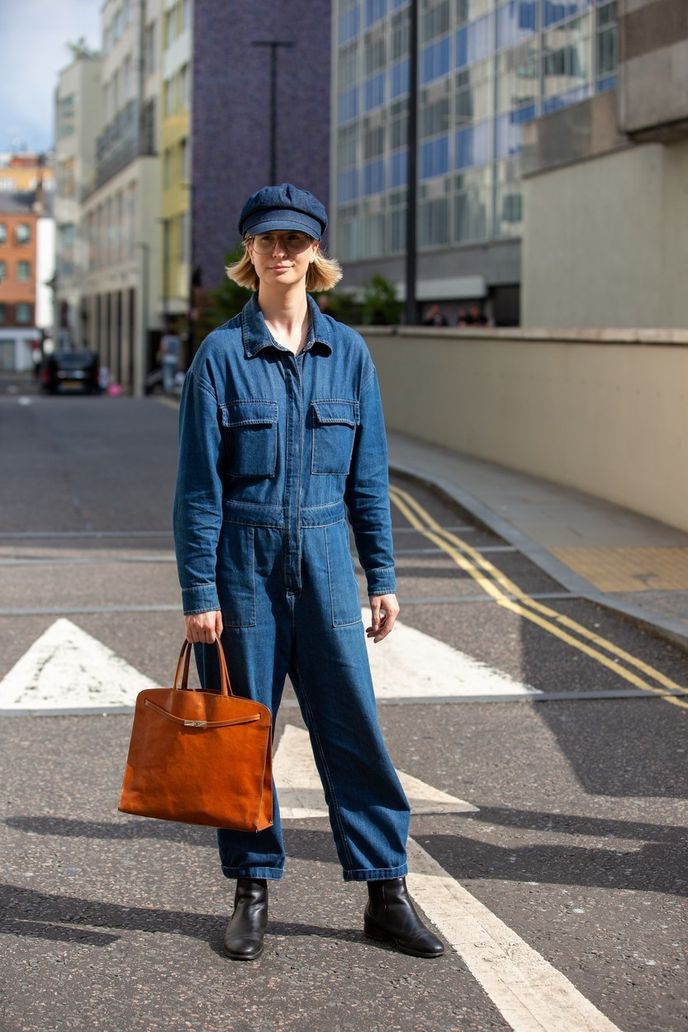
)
(284, 208)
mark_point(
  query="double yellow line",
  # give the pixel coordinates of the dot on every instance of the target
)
(508, 595)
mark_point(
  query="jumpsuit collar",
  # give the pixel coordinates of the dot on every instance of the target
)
(256, 336)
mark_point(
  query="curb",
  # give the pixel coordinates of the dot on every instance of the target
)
(544, 560)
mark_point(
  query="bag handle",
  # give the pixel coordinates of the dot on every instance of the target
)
(185, 659)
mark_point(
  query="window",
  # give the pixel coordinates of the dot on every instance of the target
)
(184, 86)
(473, 145)
(22, 313)
(22, 233)
(398, 126)
(374, 91)
(468, 10)
(184, 161)
(346, 146)
(472, 93)
(3, 271)
(3, 314)
(348, 67)
(169, 96)
(516, 20)
(374, 10)
(149, 49)
(435, 21)
(473, 42)
(374, 51)
(3, 232)
(434, 117)
(433, 222)
(373, 177)
(399, 78)
(349, 23)
(434, 157)
(471, 206)
(400, 36)
(23, 271)
(434, 60)
(373, 142)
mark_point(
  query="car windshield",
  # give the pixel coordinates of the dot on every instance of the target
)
(74, 359)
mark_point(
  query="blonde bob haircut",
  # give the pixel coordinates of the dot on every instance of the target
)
(323, 272)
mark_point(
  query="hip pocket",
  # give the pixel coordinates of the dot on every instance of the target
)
(236, 575)
(249, 434)
(343, 586)
(334, 429)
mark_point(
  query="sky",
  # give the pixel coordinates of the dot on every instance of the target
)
(33, 34)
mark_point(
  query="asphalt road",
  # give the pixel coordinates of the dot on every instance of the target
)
(576, 851)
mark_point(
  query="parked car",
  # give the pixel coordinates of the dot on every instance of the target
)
(70, 371)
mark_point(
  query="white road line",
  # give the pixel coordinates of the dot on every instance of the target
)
(300, 790)
(66, 667)
(412, 664)
(529, 992)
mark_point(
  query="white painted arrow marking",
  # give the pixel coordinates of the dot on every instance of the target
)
(411, 664)
(67, 668)
(300, 790)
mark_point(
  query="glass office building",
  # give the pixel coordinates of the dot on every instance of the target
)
(485, 68)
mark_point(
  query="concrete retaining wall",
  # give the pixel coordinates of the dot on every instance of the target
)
(603, 411)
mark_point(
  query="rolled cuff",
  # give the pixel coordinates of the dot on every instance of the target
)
(382, 581)
(202, 598)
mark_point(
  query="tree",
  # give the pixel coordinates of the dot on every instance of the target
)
(80, 48)
(230, 298)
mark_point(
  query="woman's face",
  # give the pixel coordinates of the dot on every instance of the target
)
(282, 257)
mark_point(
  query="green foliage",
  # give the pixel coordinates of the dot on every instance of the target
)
(380, 305)
(80, 48)
(377, 304)
(230, 298)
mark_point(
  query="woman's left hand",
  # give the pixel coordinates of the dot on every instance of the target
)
(384, 609)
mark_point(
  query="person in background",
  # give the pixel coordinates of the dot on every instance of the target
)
(475, 316)
(170, 349)
(434, 316)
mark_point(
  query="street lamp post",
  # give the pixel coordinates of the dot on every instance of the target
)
(274, 44)
(411, 308)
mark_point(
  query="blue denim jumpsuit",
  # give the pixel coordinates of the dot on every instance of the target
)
(275, 448)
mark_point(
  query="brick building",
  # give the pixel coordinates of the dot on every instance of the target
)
(25, 267)
(232, 121)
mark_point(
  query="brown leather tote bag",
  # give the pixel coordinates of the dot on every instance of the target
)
(200, 757)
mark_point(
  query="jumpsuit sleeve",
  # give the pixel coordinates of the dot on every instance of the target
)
(367, 493)
(197, 514)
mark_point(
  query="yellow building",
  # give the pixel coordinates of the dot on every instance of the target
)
(175, 175)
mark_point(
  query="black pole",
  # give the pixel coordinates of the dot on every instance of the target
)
(412, 169)
(273, 44)
(273, 113)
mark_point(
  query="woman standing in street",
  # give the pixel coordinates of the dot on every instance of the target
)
(282, 433)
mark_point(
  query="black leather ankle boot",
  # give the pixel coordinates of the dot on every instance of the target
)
(390, 917)
(245, 931)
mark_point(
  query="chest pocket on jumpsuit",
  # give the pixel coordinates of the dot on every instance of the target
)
(334, 429)
(249, 431)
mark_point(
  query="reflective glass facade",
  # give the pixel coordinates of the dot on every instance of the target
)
(486, 68)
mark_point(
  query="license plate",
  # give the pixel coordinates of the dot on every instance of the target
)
(72, 383)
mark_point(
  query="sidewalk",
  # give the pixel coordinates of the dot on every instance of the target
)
(625, 561)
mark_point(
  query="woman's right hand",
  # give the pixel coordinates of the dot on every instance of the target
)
(203, 628)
